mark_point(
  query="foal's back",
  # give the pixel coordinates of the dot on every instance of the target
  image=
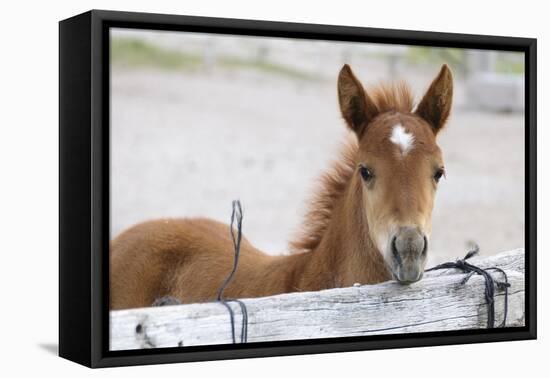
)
(184, 258)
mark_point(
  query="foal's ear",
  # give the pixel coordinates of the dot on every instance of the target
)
(436, 103)
(356, 106)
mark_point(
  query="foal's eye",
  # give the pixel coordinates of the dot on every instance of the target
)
(366, 173)
(440, 172)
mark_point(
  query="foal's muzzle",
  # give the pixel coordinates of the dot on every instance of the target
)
(409, 247)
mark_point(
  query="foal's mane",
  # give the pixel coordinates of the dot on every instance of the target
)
(333, 183)
(397, 97)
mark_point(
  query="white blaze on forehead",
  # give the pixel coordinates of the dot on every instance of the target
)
(402, 138)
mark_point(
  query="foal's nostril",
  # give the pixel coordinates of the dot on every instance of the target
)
(425, 250)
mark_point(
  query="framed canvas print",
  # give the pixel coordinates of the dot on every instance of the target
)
(234, 188)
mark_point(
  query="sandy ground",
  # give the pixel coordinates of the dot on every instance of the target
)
(186, 145)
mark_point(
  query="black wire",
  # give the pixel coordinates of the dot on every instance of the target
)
(236, 214)
(490, 283)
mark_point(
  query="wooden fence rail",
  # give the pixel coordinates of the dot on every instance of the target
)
(439, 302)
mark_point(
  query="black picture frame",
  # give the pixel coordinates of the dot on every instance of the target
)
(84, 186)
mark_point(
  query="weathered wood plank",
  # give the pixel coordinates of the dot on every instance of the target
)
(437, 303)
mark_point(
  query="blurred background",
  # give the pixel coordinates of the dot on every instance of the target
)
(198, 120)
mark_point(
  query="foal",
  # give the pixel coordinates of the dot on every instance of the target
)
(370, 221)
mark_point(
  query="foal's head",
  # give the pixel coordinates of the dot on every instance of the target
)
(399, 165)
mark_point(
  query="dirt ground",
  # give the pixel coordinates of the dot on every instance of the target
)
(185, 145)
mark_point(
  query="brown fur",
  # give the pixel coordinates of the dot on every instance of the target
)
(394, 97)
(332, 186)
(189, 258)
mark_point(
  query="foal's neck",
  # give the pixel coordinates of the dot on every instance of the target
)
(346, 253)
